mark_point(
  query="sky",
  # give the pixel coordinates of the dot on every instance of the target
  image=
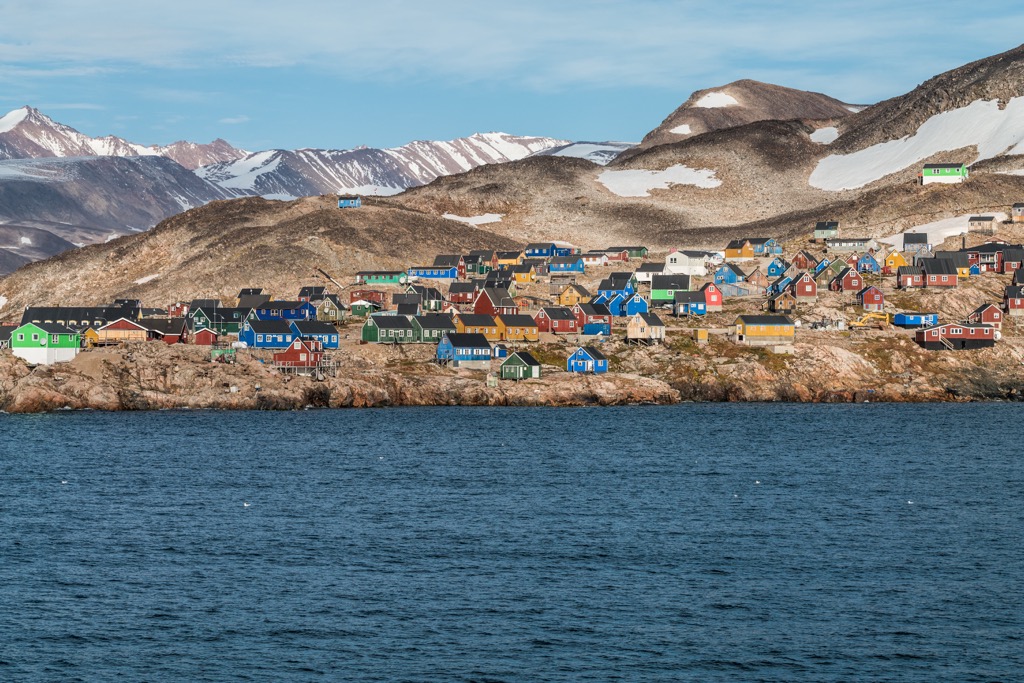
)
(312, 73)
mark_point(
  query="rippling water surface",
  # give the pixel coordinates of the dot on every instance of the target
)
(693, 542)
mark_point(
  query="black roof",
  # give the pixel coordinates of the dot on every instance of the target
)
(526, 357)
(477, 320)
(427, 293)
(567, 259)
(270, 326)
(689, 297)
(312, 291)
(54, 328)
(249, 291)
(558, 313)
(253, 300)
(594, 309)
(435, 321)
(203, 303)
(517, 320)
(670, 281)
(943, 165)
(391, 322)
(990, 247)
(399, 299)
(915, 238)
(5, 332)
(959, 258)
(89, 314)
(766, 319)
(651, 267)
(826, 225)
(305, 327)
(981, 219)
(1013, 254)
(908, 270)
(461, 288)
(164, 326)
(736, 269)
(936, 266)
(594, 353)
(652, 319)
(499, 297)
(281, 305)
(468, 340)
(407, 309)
(447, 260)
(736, 244)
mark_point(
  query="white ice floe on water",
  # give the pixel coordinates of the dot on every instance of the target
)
(980, 124)
(825, 136)
(482, 219)
(639, 182)
(716, 100)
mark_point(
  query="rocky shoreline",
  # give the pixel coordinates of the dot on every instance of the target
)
(160, 377)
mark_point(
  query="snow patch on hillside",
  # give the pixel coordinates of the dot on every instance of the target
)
(3, 302)
(148, 278)
(598, 152)
(11, 119)
(482, 219)
(981, 124)
(939, 231)
(25, 240)
(638, 183)
(825, 136)
(683, 129)
(716, 100)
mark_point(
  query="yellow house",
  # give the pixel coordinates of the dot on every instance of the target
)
(117, 332)
(90, 338)
(524, 274)
(520, 327)
(477, 323)
(893, 261)
(510, 258)
(761, 330)
(739, 249)
(572, 295)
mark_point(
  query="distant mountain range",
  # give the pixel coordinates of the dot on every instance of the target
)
(83, 189)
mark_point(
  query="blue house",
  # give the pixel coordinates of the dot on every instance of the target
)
(466, 350)
(765, 246)
(267, 334)
(567, 250)
(608, 289)
(633, 305)
(567, 264)
(349, 201)
(587, 359)
(777, 267)
(325, 333)
(728, 274)
(868, 264)
(690, 303)
(822, 264)
(777, 286)
(434, 272)
(540, 250)
(285, 310)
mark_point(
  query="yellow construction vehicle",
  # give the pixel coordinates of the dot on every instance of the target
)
(877, 320)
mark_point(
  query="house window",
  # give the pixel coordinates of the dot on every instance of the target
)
(35, 337)
(54, 339)
(944, 278)
(21, 337)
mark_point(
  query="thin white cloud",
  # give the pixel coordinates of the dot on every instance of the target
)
(537, 43)
(233, 120)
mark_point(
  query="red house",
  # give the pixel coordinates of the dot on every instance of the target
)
(178, 310)
(954, 336)
(852, 260)
(461, 292)
(589, 314)
(167, 330)
(908, 277)
(204, 337)
(804, 288)
(805, 260)
(616, 255)
(495, 302)
(848, 280)
(302, 354)
(871, 298)
(987, 314)
(1013, 301)
(1013, 259)
(374, 295)
(712, 297)
(939, 273)
(556, 319)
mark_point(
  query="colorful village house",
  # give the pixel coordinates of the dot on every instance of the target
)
(517, 328)
(617, 255)
(520, 365)
(495, 302)
(587, 359)
(476, 323)
(595, 259)
(567, 264)
(556, 320)
(324, 333)
(382, 277)
(451, 261)
(646, 272)
(804, 288)
(1013, 260)
(167, 330)
(849, 280)
(121, 331)
(987, 314)
(739, 249)
(434, 272)
(777, 267)
(1013, 301)
(765, 246)
(572, 295)
(729, 273)
(430, 298)
(636, 303)
(524, 273)
(267, 334)
(645, 328)
(593, 319)
(690, 304)
(349, 201)
(302, 356)
(961, 261)
(778, 286)
(781, 302)
(206, 336)
(893, 261)
(956, 336)
(909, 277)
(684, 262)
(822, 264)
(914, 242)
(852, 260)
(825, 229)
(943, 173)
(388, 329)
(488, 259)
(664, 288)
(5, 336)
(988, 256)
(375, 295)
(45, 343)
(363, 308)
(471, 351)
(763, 330)
(509, 258)
(1017, 213)
(939, 273)
(462, 292)
(286, 310)
(847, 244)
(871, 299)
(313, 293)
(331, 310)
(713, 297)
(981, 225)
(805, 260)
(757, 279)
(430, 328)
(543, 250)
(868, 264)
(633, 251)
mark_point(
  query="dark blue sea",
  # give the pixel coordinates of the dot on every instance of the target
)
(684, 543)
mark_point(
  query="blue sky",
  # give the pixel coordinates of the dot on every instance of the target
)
(310, 73)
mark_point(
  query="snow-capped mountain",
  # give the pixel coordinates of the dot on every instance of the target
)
(282, 173)
(599, 152)
(27, 133)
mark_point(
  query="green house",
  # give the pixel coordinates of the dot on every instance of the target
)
(388, 329)
(430, 328)
(45, 343)
(520, 365)
(382, 277)
(363, 308)
(944, 173)
(826, 229)
(635, 251)
(664, 287)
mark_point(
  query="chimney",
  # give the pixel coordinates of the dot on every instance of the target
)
(963, 242)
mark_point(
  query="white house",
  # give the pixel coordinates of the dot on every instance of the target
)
(679, 262)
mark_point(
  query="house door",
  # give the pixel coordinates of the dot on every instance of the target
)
(590, 366)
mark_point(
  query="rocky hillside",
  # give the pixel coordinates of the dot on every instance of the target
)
(224, 246)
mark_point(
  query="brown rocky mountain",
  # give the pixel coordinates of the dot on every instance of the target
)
(738, 104)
